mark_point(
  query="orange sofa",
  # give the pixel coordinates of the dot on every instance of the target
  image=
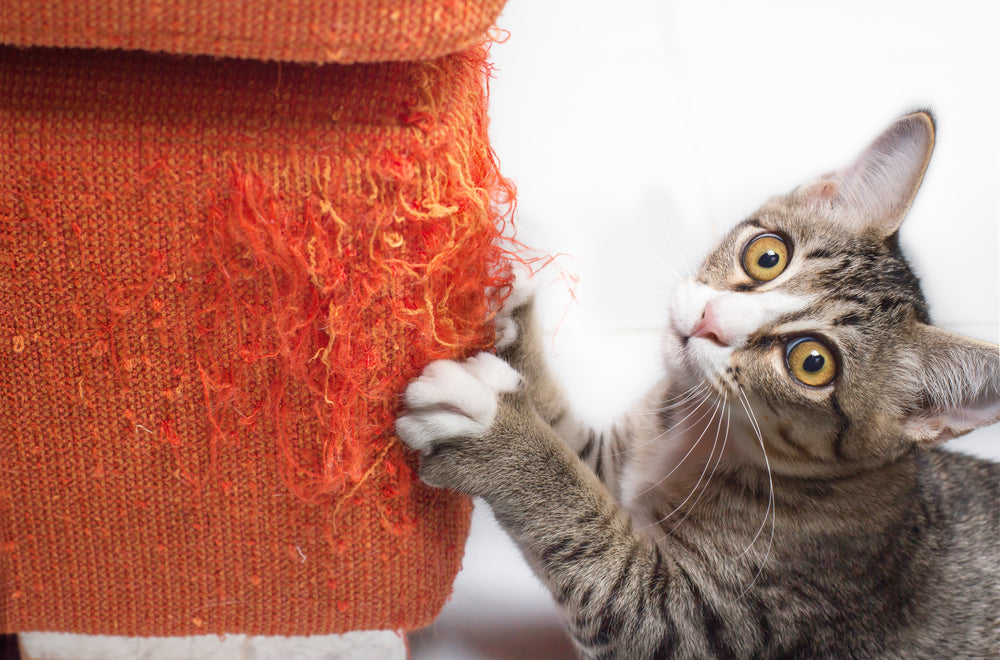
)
(230, 232)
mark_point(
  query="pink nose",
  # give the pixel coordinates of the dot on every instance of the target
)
(708, 327)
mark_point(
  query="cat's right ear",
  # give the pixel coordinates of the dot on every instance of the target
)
(874, 193)
(955, 387)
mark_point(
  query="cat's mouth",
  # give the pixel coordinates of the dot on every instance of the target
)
(709, 337)
(705, 355)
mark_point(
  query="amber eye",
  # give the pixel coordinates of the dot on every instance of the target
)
(765, 257)
(811, 362)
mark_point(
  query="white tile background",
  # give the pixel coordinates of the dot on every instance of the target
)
(637, 131)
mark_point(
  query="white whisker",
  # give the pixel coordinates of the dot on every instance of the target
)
(663, 262)
(718, 459)
(702, 387)
(645, 247)
(756, 428)
(685, 457)
(769, 511)
(711, 454)
(679, 400)
(680, 254)
(636, 447)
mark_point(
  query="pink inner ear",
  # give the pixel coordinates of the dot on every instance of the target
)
(874, 192)
(824, 189)
(931, 430)
(950, 424)
(827, 190)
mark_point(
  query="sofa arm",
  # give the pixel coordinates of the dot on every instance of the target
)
(215, 277)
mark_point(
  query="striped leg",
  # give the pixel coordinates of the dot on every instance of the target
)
(477, 431)
(519, 343)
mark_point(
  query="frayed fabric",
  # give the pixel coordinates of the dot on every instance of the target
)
(216, 276)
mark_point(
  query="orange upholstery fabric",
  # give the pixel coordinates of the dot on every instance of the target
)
(342, 31)
(215, 277)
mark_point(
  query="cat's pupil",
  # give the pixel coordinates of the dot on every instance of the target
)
(813, 363)
(769, 259)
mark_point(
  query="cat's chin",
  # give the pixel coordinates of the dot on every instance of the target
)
(708, 357)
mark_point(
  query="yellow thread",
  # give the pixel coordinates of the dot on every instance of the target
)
(370, 180)
(364, 478)
(394, 239)
(313, 266)
(18, 344)
(326, 208)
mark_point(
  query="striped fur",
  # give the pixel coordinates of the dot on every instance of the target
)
(735, 512)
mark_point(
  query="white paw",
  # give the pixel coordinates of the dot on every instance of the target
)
(454, 399)
(522, 288)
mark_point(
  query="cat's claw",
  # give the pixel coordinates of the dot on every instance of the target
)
(522, 289)
(452, 400)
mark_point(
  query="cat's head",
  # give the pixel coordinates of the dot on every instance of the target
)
(809, 310)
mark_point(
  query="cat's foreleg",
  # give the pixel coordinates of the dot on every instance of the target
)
(519, 341)
(478, 431)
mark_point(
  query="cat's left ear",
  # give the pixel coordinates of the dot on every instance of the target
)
(874, 193)
(957, 387)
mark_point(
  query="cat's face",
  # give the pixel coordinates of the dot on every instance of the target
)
(808, 311)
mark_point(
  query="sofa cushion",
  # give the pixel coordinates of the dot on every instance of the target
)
(304, 31)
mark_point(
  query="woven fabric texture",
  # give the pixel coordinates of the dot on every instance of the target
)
(343, 31)
(215, 278)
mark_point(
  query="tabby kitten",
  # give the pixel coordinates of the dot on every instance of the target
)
(781, 493)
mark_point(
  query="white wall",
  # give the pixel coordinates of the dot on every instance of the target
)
(637, 131)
